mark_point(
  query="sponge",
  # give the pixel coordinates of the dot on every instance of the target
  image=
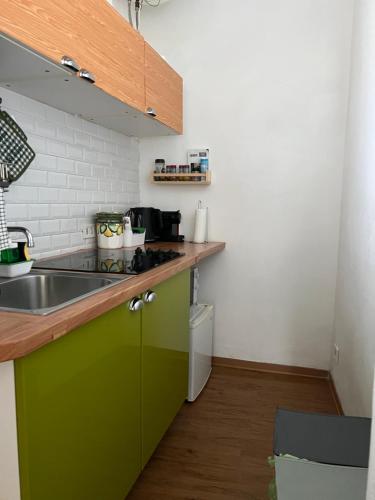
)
(23, 251)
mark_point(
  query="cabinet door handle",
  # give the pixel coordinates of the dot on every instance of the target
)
(151, 112)
(149, 296)
(136, 304)
(70, 64)
(86, 75)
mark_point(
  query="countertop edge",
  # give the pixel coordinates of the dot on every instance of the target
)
(33, 332)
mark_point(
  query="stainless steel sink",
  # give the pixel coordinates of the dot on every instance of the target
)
(46, 292)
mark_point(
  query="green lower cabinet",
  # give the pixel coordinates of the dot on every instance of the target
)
(78, 412)
(93, 405)
(165, 344)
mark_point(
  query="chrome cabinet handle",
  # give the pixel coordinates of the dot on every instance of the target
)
(86, 75)
(69, 63)
(136, 304)
(149, 296)
(151, 112)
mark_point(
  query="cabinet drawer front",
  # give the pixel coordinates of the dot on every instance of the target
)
(91, 32)
(78, 412)
(165, 344)
(164, 90)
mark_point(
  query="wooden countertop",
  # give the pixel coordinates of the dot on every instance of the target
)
(22, 333)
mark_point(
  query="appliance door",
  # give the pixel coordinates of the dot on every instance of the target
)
(201, 348)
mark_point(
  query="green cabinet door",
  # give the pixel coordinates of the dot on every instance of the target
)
(78, 412)
(165, 343)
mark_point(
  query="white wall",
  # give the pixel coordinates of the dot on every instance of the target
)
(355, 310)
(266, 91)
(80, 169)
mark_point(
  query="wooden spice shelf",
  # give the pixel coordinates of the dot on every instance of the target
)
(185, 179)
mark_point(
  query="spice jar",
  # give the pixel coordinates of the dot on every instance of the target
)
(184, 169)
(195, 169)
(171, 169)
(110, 230)
(159, 167)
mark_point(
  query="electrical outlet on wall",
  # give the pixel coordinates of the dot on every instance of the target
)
(88, 231)
(336, 353)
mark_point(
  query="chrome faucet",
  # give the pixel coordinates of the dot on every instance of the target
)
(25, 231)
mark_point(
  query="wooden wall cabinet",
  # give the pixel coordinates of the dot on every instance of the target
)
(99, 40)
(91, 32)
(164, 90)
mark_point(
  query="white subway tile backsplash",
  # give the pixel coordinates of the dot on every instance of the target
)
(42, 243)
(65, 134)
(110, 147)
(104, 158)
(57, 179)
(84, 196)
(65, 165)
(59, 210)
(105, 185)
(51, 226)
(44, 162)
(22, 194)
(33, 177)
(32, 225)
(98, 171)
(80, 169)
(99, 197)
(74, 151)
(90, 156)
(28, 121)
(69, 225)
(75, 182)
(76, 239)
(47, 194)
(97, 144)
(91, 184)
(38, 211)
(15, 211)
(60, 241)
(67, 195)
(82, 138)
(45, 128)
(36, 142)
(84, 169)
(76, 210)
(56, 148)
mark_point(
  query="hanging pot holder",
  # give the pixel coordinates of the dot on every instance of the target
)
(14, 150)
(10, 121)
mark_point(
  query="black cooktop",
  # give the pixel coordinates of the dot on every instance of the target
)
(122, 261)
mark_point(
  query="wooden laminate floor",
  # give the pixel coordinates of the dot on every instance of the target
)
(217, 447)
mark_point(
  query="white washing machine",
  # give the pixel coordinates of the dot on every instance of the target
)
(201, 347)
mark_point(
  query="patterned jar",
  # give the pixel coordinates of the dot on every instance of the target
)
(110, 230)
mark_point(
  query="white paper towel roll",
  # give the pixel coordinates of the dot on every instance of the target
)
(200, 232)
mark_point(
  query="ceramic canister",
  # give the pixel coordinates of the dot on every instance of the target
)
(110, 230)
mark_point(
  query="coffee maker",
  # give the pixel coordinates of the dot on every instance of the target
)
(170, 230)
(160, 225)
(149, 218)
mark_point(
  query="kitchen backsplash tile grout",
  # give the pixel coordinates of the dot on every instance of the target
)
(80, 168)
